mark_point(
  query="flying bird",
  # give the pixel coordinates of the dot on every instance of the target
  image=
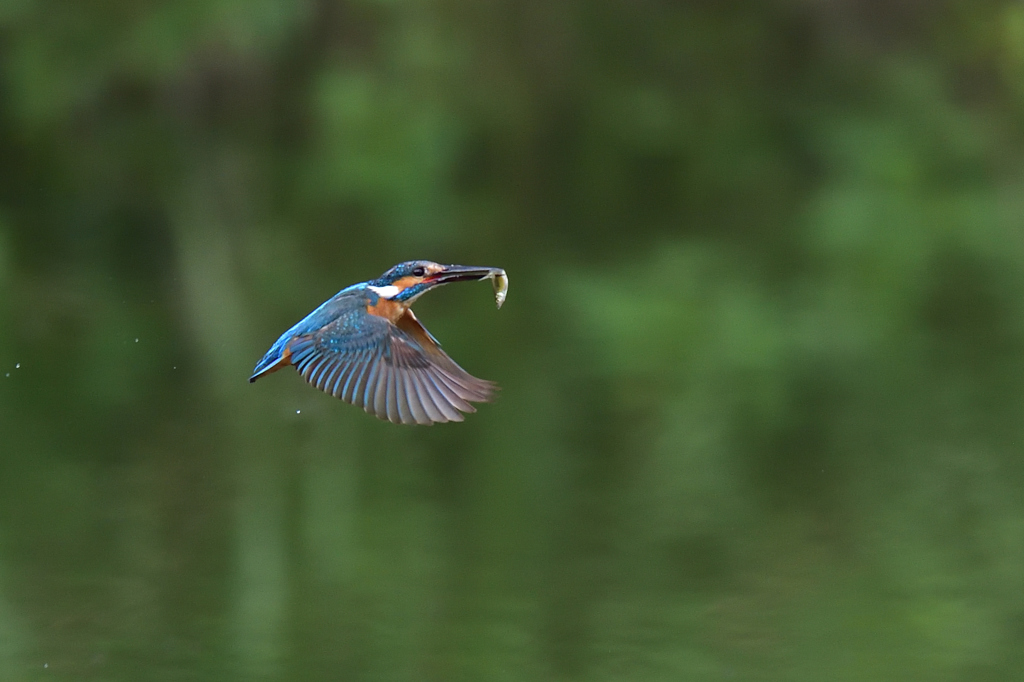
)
(365, 346)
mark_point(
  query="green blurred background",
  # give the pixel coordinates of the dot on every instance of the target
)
(762, 358)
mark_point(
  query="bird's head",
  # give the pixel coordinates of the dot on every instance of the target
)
(408, 281)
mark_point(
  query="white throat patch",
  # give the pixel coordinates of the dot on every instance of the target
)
(388, 292)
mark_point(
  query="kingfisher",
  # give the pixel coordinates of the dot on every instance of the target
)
(365, 346)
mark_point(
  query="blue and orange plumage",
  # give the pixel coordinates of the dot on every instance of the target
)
(365, 346)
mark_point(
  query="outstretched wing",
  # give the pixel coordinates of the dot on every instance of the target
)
(396, 372)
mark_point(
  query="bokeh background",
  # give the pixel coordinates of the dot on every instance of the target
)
(762, 358)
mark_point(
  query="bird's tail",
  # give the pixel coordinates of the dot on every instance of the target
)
(277, 357)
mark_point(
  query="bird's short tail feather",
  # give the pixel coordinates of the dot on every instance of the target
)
(274, 360)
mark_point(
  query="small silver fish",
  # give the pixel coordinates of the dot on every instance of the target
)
(500, 281)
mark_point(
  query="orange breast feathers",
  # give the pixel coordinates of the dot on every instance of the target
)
(388, 309)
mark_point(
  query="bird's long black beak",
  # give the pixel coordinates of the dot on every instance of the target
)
(463, 273)
(466, 273)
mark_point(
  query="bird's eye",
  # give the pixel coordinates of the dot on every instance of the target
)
(419, 271)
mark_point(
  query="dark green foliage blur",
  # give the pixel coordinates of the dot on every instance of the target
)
(762, 360)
